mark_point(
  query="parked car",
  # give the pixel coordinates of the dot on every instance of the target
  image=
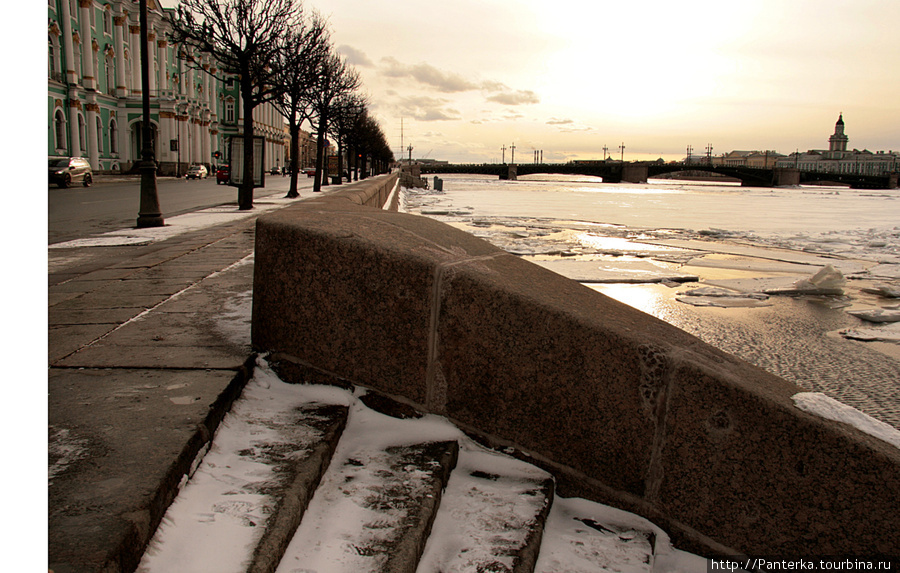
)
(197, 172)
(223, 173)
(68, 170)
(310, 171)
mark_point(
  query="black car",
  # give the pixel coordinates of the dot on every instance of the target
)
(68, 170)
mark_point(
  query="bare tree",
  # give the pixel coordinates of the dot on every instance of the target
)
(372, 144)
(245, 37)
(335, 78)
(307, 47)
(345, 113)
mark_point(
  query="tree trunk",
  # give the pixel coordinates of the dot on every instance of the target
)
(320, 152)
(340, 162)
(245, 191)
(295, 158)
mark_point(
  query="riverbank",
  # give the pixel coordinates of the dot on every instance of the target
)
(732, 283)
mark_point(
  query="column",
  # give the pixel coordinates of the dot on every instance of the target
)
(166, 134)
(163, 55)
(124, 136)
(196, 155)
(135, 52)
(87, 54)
(119, 32)
(212, 92)
(187, 75)
(205, 153)
(74, 135)
(214, 140)
(68, 46)
(151, 42)
(204, 97)
(181, 135)
(92, 110)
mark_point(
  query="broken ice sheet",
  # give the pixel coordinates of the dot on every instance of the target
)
(827, 280)
(614, 270)
(724, 298)
(876, 315)
(887, 291)
(888, 333)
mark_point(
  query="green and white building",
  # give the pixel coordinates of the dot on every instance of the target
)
(94, 97)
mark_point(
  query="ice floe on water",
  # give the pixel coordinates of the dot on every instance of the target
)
(725, 298)
(821, 405)
(877, 315)
(615, 270)
(890, 333)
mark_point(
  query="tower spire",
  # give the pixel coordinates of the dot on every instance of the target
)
(838, 141)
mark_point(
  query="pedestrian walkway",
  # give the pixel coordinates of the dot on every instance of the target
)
(148, 345)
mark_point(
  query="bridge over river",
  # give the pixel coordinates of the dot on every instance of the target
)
(639, 172)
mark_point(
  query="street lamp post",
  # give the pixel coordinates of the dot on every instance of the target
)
(149, 214)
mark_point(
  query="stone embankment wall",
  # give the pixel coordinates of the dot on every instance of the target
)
(622, 407)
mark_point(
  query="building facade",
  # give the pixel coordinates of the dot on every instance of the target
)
(95, 93)
(837, 159)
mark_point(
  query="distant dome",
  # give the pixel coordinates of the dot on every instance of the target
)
(840, 120)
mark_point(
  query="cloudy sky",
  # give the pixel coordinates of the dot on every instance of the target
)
(569, 77)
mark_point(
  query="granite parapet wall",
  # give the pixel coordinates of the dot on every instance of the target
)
(624, 408)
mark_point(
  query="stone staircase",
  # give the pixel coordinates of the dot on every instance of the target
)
(308, 478)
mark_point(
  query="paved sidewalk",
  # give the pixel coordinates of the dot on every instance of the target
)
(148, 346)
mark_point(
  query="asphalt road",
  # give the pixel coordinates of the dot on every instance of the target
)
(79, 212)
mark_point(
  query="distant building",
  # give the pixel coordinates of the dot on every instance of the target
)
(94, 92)
(837, 143)
(836, 159)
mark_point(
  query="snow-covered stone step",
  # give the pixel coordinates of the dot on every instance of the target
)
(375, 506)
(390, 499)
(586, 537)
(242, 504)
(492, 515)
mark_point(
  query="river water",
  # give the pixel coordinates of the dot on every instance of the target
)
(776, 276)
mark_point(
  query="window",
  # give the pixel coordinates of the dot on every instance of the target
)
(60, 121)
(229, 110)
(78, 62)
(107, 22)
(51, 61)
(113, 136)
(99, 136)
(81, 136)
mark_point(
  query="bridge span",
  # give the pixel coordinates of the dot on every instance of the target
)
(639, 172)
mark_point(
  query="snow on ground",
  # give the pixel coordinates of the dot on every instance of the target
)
(176, 225)
(64, 449)
(829, 408)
